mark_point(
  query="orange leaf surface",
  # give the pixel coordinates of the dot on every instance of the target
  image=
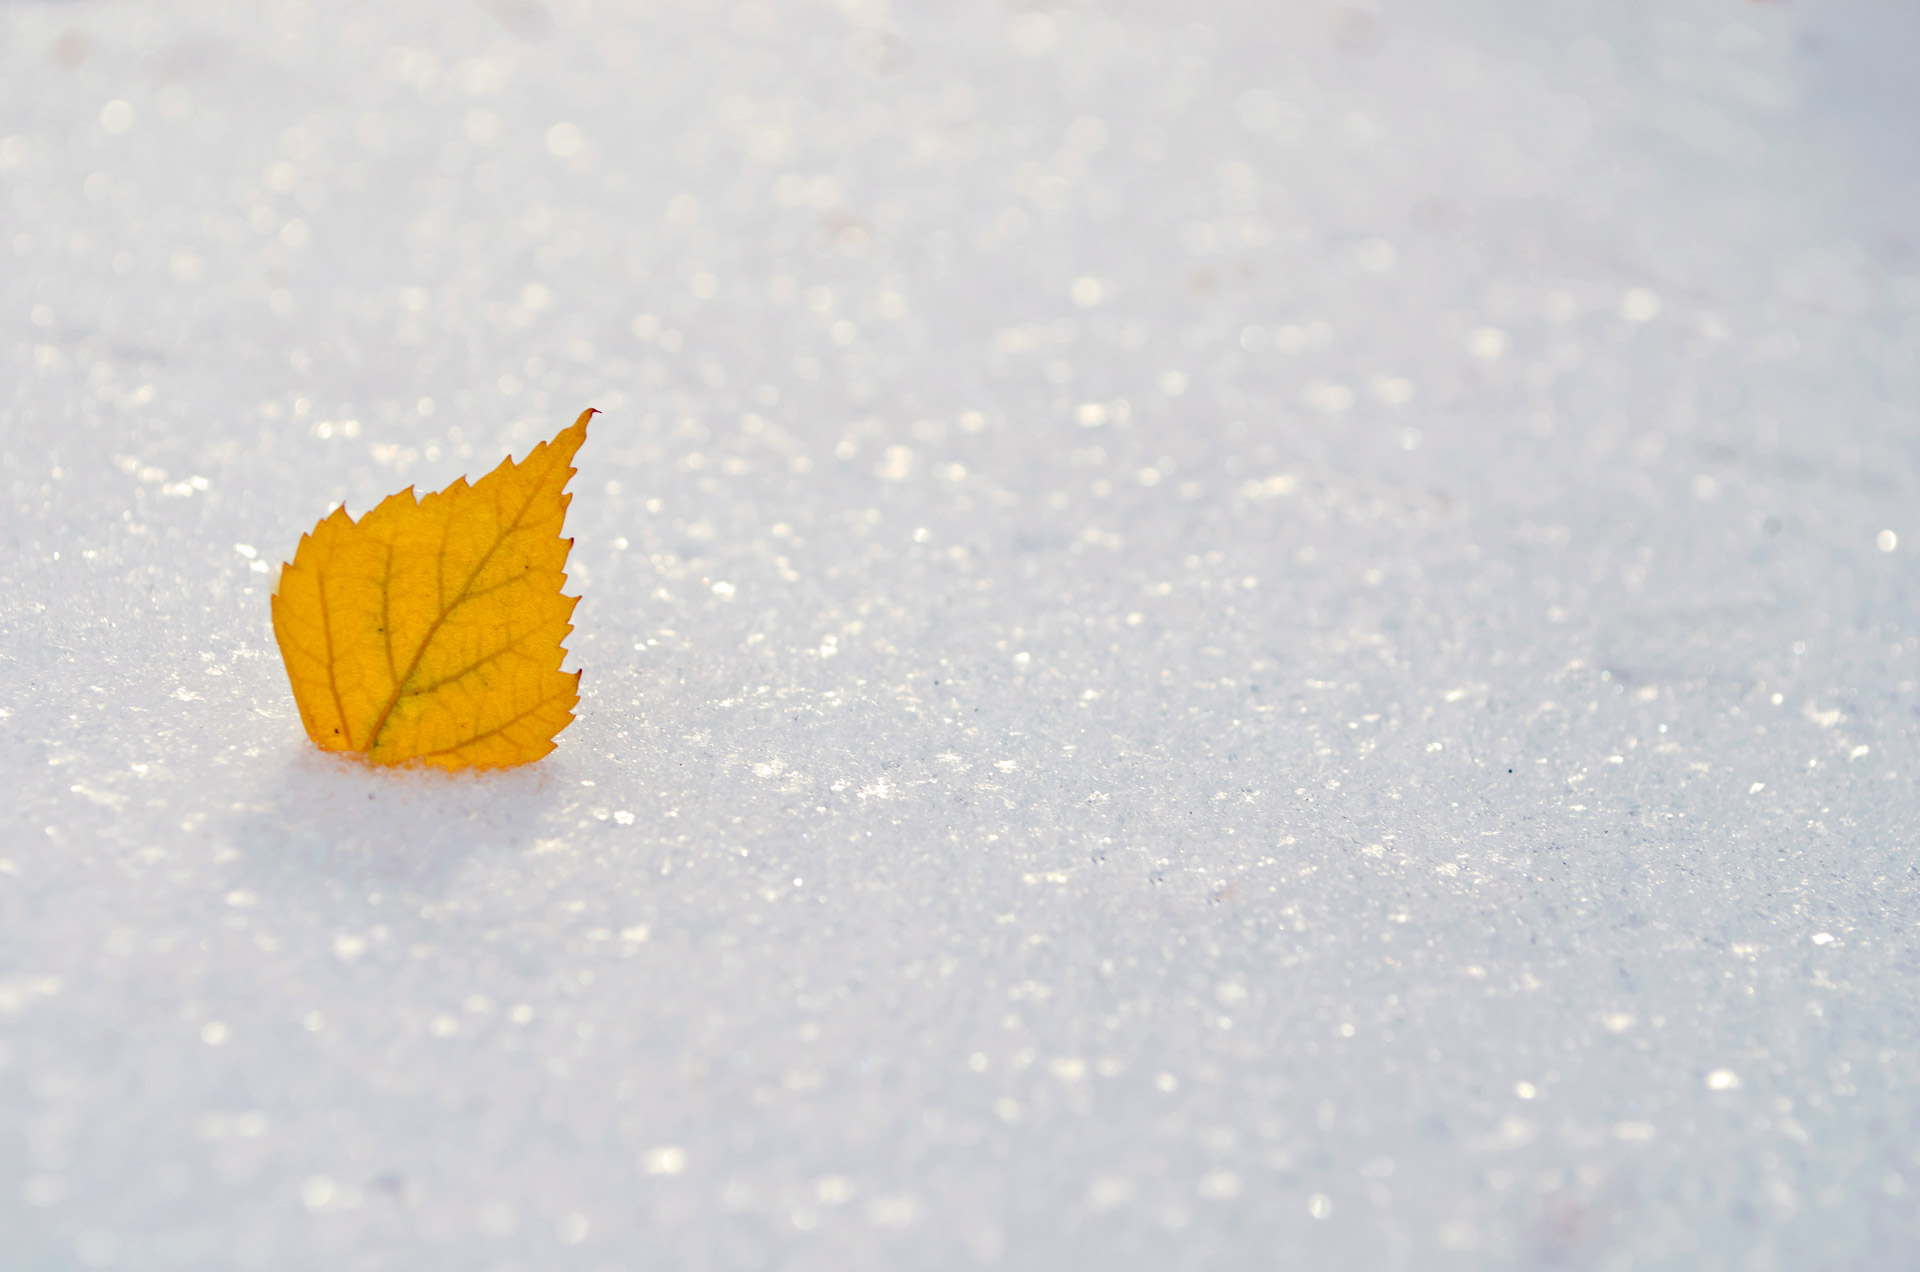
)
(429, 630)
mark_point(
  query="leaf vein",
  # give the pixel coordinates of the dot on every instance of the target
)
(502, 727)
(508, 648)
(386, 610)
(333, 679)
(446, 611)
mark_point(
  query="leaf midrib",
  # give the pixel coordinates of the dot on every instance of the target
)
(433, 629)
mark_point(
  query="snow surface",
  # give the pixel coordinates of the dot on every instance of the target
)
(1243, 635)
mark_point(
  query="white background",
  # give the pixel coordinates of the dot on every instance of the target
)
(1242, 635)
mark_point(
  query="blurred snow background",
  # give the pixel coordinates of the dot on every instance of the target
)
(1226, 635)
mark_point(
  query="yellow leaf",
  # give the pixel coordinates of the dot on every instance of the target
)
(430, 629)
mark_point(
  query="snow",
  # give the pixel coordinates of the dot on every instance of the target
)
(1276, 641)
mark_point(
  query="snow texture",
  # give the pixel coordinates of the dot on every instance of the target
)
(1242, 635)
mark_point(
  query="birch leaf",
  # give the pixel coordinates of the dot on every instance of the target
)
(429, 630)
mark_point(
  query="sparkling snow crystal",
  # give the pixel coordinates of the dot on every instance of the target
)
(1266, 635)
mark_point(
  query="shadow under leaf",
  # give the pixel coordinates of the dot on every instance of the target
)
(333, 822)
